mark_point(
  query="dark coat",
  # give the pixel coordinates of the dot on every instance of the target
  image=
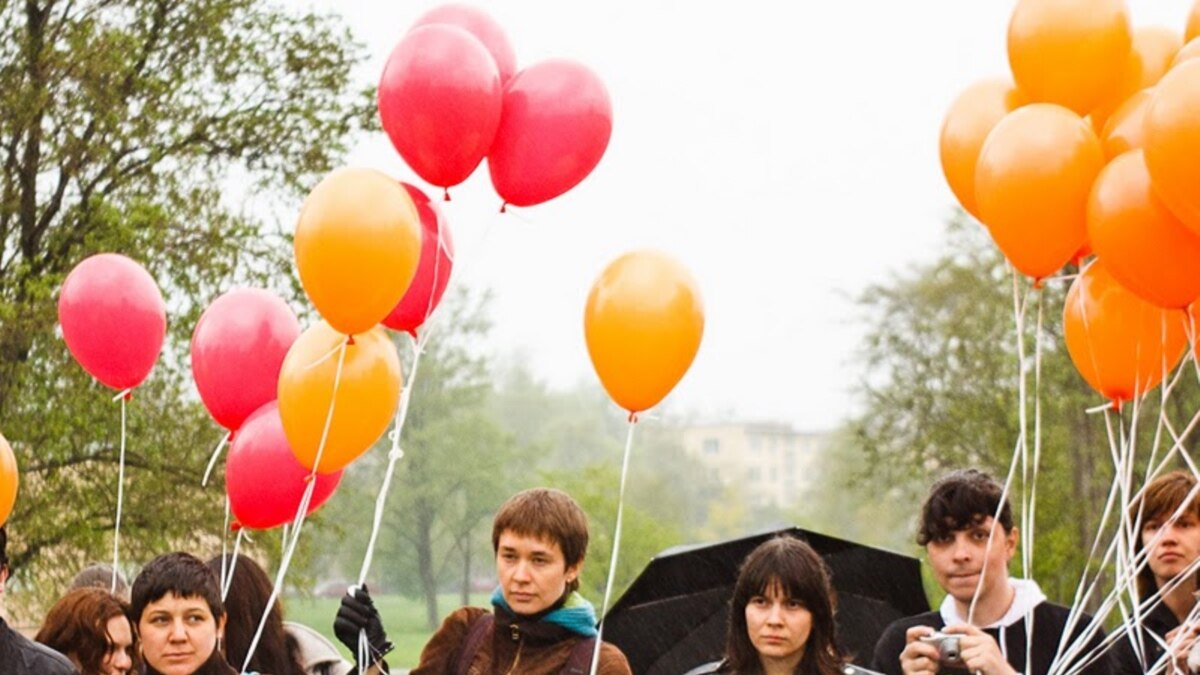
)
(21, 656)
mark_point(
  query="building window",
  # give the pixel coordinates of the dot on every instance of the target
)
(754, 474)
(712, 446)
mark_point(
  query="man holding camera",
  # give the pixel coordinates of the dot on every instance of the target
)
(986, 620)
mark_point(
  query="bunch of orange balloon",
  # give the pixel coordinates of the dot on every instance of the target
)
(1066, 160)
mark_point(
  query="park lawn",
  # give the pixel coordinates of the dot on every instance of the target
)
(403, 618)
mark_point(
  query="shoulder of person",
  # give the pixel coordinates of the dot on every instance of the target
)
(612, 660)
(442, 649)
(39, 658)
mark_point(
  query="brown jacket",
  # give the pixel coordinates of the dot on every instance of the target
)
(527, 648)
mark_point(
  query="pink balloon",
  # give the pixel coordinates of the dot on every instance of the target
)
(485, 29)
(263, 479)
(556, 125)
(237, 350)
(113, 319)
(439, 101)
(433, 270)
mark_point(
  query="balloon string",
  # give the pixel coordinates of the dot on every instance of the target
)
(212, 461)
(301, 511)
(123, 397)
(394, 455)
(225, 536)
(227, 575)
(612, 565)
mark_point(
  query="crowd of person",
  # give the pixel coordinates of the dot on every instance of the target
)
(175, 620)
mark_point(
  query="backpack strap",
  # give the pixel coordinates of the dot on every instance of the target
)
(479, 630)
(580, 661)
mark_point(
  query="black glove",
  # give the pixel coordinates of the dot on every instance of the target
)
(358, 613)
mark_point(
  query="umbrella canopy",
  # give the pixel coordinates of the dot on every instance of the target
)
(674, 615)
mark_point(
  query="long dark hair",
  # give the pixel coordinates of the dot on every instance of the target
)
(796, 569)
(77, 626)
(277, 651)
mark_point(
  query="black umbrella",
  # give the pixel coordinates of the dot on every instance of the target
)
(673, 617)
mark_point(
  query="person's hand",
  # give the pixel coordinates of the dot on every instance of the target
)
(1181, 640)
(919, 658)
(358, 613)
(980, 653)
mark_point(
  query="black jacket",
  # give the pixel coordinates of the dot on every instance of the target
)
(21, 656)
(1160, 621)
(1049, 621)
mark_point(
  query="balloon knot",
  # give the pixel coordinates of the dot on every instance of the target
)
(412, 332)
(504, 207)
(1038, 282)
(633, 418)
(350, 340)
(308, 478)
(235, 526)
(129, 395)
(229, 437)
(1116, 404)
(445, 194)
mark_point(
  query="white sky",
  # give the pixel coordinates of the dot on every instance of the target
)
(786, 153)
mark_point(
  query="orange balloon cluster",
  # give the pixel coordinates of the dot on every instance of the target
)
(10, 479)
(1094, 150)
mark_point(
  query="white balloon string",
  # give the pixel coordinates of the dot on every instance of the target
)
(227, 574)
(225, 536)
(123, 397)
(301, 510)
(418, 347)
(612, 565)
(212, 461)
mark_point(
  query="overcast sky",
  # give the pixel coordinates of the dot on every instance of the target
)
(786, 153)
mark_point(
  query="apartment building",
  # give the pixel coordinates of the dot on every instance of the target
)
(770, 459)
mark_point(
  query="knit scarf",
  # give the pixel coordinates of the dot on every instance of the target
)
(572, 612)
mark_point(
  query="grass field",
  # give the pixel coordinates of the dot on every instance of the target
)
(404, 619)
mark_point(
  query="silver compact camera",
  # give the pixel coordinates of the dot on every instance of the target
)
(949, 651)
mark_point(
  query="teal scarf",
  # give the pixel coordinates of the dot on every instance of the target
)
(575, 613)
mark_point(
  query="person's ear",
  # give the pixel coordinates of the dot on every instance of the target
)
(3, 575)
(1010, 541)
(572, 573)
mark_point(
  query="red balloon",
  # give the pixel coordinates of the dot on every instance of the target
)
(439, 102)
(485, 29)
(237, 350)
(113, 319)
(263, 479)
(556, 125)
(433, 270)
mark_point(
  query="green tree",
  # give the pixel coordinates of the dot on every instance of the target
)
(940, 384)
(126, 126)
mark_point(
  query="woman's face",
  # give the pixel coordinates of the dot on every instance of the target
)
(779, 626)
(118, 660)
(178, 634)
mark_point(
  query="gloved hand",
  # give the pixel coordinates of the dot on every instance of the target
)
(357, 612)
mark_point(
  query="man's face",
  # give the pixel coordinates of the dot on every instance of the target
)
(533, 574)
(1177, 546)
(962, 560)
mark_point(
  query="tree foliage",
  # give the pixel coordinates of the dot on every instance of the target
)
(132, 126)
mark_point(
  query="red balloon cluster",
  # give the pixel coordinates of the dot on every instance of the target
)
(450, 95)
(1092, 147)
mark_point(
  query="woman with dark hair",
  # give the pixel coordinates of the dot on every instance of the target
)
(179, 616)
(91, 627)
(284, 648)
(781, 614)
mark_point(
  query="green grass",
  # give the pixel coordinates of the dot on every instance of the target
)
(403, 618)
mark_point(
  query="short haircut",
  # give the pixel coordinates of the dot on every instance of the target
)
(180, 574)
(960, 500)
(100, 575)
(1159, 501)
(547, 514)
(3, 546)
(795, 569)
(77, 626)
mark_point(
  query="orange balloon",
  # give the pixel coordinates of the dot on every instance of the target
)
(1066, 51)
(1124, 130)
(643, 323)
(1193, 24)
(357, 246)
(1143, 246)
(367, 394)
(1121, 344)
(10, 480)
(1032, 182)
(1190, 51)
(1154, 48)
(1172, 130)
(972, 115)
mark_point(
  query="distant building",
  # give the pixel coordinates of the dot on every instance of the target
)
(769, 460)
